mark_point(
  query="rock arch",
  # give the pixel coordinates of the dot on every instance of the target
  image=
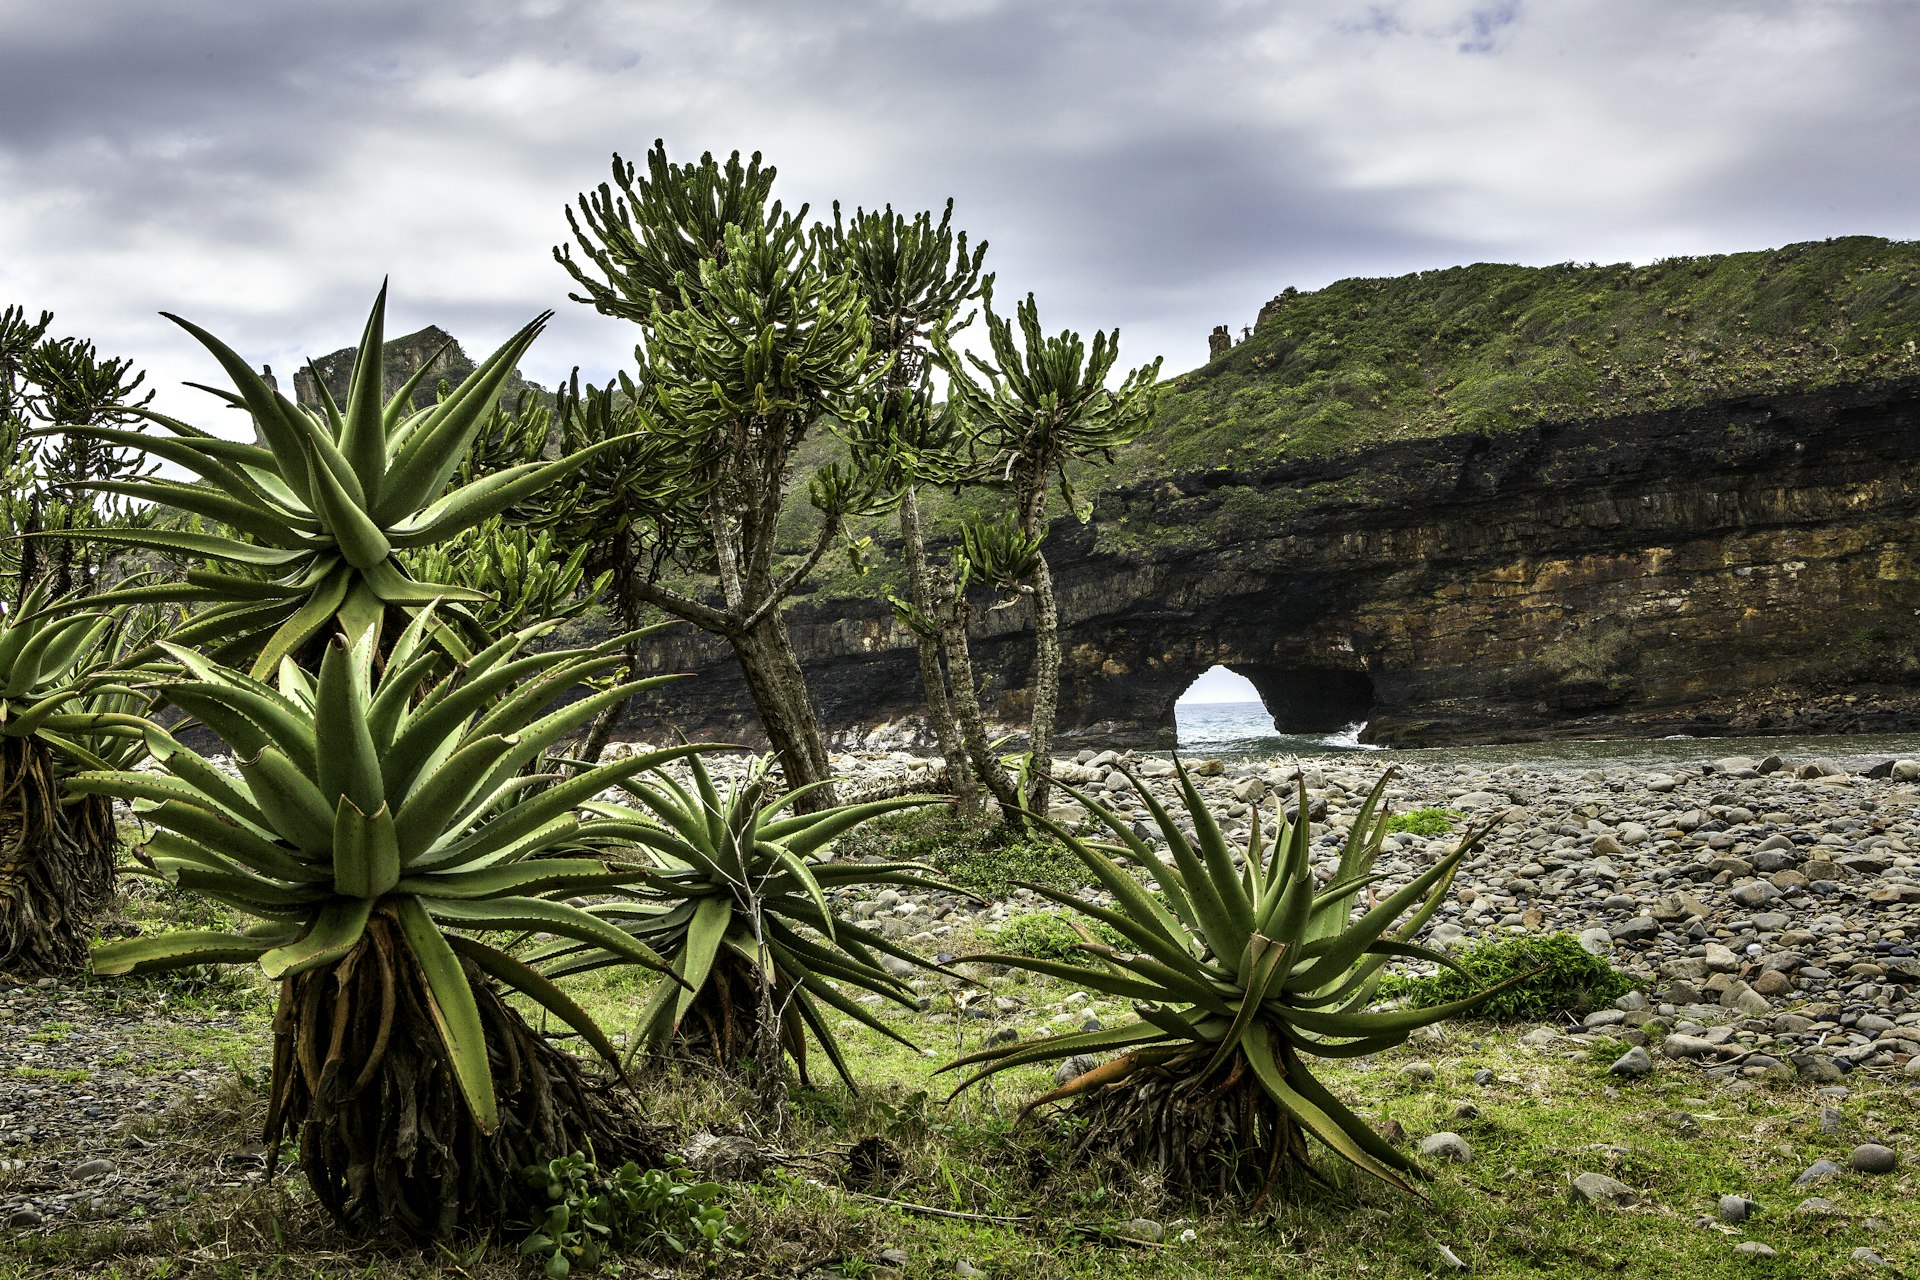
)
(1446, 587)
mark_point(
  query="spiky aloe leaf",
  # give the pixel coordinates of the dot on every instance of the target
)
(313, 840)
(326, 501)
(1243, 964)
(720, 861)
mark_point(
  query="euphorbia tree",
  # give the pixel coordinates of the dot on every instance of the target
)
(915, 275)
(752, 342)
(324, 511)
(378, 829)
(1045, 403)
(47, 384)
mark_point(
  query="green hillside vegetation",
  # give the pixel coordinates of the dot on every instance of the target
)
(1489, 348)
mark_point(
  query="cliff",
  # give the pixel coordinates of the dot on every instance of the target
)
(1741, 566)
(433, 347)
(1483, 503)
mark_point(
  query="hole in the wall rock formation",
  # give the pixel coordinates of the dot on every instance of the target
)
(1312, 699)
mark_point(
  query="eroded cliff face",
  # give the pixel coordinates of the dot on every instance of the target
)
(1745, 566)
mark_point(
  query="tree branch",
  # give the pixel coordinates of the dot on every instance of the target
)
(828, 529)
(704, 616)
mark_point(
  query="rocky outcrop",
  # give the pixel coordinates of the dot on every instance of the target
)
(433, 347)
(1744, 566)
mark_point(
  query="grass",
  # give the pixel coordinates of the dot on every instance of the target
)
(969, 1180)
(1489, 348)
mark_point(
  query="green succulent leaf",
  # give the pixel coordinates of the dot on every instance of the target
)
(1241, 960)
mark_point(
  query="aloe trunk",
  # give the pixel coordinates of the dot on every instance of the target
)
(363, 1084)
(56, 864)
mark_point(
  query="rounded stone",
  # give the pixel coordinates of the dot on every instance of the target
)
(1634, 1062)
(1871, 1157)
(1143, 1229)
(1447, 1146)
(1598, 1188)
(1736, 1209)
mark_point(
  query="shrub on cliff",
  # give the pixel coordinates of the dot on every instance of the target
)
(1556, 977)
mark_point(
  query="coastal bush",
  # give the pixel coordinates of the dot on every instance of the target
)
(1424, 822)
(1237, 974)
(1542, 976)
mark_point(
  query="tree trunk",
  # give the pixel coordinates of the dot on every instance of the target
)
(56, 864)
(779, 690)
(361, 1079)
(966, 702)
(1046, 688)
(609, 719)
(946, 731)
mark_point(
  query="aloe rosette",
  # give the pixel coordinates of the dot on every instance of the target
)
(1240, 966)
(58, 712)
(323, 510)
(379, 828)
(736, 900)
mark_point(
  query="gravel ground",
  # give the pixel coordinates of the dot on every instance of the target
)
(118, 1101)
(1768, 910)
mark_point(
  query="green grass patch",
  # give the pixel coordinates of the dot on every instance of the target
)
(987, 862)
(1047, 935)
(1562, 978)
(1424, 822)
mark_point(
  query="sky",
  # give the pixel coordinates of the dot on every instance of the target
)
(258, 167)
(1216, 685)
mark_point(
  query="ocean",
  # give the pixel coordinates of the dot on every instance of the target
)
(1244, 731)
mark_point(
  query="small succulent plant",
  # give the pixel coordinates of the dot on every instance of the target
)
(735, 899)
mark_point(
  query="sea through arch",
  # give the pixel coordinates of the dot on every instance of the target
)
(1252, 707)
(1220, 708)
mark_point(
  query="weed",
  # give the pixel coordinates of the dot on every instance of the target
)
(592, 1213)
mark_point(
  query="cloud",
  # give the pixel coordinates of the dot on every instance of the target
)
(259, 167)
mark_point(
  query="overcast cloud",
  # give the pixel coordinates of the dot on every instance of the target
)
(258, 166)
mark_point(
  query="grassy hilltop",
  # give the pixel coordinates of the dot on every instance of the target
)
(1488, 347)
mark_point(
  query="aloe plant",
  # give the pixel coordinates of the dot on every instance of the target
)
(735, 899)
(1241, 968)
(57, 714)
(324, 510)
(378, 828)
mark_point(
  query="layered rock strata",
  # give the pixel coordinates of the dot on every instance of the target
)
(1742, 567)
